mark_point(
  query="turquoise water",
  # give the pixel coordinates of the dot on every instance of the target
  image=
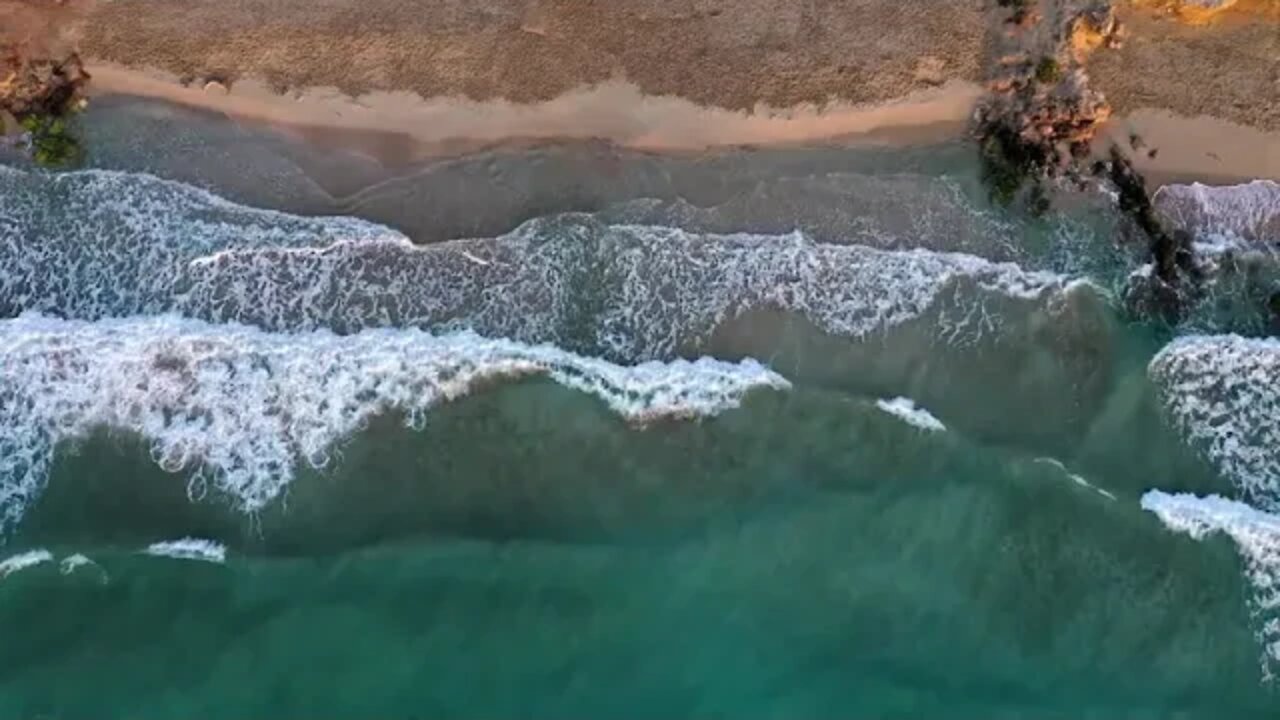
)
(530, 555)
(929, 499)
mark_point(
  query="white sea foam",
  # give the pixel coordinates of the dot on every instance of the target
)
(1075, 477)
(22, 561)
(189, 549)
(98, 243)
(905, 409)
(241, 407)
(890, 211)
(1257, 536)
(1230, 216)
(1223, 394)
(71, 563)
(627, 292)
(1235, 231)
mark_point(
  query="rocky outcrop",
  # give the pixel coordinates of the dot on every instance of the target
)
(1039, 122)
(1041, 115)
(43, 87)
(36, 95)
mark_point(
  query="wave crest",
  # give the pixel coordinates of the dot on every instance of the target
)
(243, 406)
(1223, 394)
(1257, 537)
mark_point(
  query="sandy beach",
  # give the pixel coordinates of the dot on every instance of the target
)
(402, 82)
(399, 127)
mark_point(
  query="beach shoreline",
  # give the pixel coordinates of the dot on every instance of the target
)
(402, 130)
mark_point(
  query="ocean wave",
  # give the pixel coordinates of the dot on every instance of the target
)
(1223, 395)
(1225, 216)
(889, 211)
(905, 410)
(96, 243)
(627, 292)
(189, 549)
(1257, 536)
(242, 406)
(22, 561)
(1235, 231)
(71, 563)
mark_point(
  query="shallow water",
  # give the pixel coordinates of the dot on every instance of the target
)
(257, 464)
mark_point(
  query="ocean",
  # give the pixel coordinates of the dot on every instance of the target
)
(792, 433)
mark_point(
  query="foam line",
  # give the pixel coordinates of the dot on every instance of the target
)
(241, 407)
(22, 561)
(1257, 537)
(905, 409)
(1223, 394)
(189, 549)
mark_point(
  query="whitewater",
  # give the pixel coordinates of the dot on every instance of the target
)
(953, 447)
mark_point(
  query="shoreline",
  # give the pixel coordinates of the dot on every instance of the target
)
(401, 129)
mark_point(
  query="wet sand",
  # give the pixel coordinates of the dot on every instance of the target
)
(1175, 149)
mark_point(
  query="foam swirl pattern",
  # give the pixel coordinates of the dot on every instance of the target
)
(628, 292)
(1223, 394)
(99, 244)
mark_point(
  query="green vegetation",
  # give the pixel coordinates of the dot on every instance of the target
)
(1048, 71)
(53, 144)
(1008, 163)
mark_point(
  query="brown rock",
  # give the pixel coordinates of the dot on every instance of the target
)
(40, 85)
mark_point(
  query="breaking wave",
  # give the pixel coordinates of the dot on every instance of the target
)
(1223, 395)
(905, 409)
(242, 406)
(1257, 537)
(1228, 215)
(627, 292)
(189, 549)
(22, 561)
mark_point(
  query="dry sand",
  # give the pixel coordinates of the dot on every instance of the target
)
(731, 54)
(1227, 67)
